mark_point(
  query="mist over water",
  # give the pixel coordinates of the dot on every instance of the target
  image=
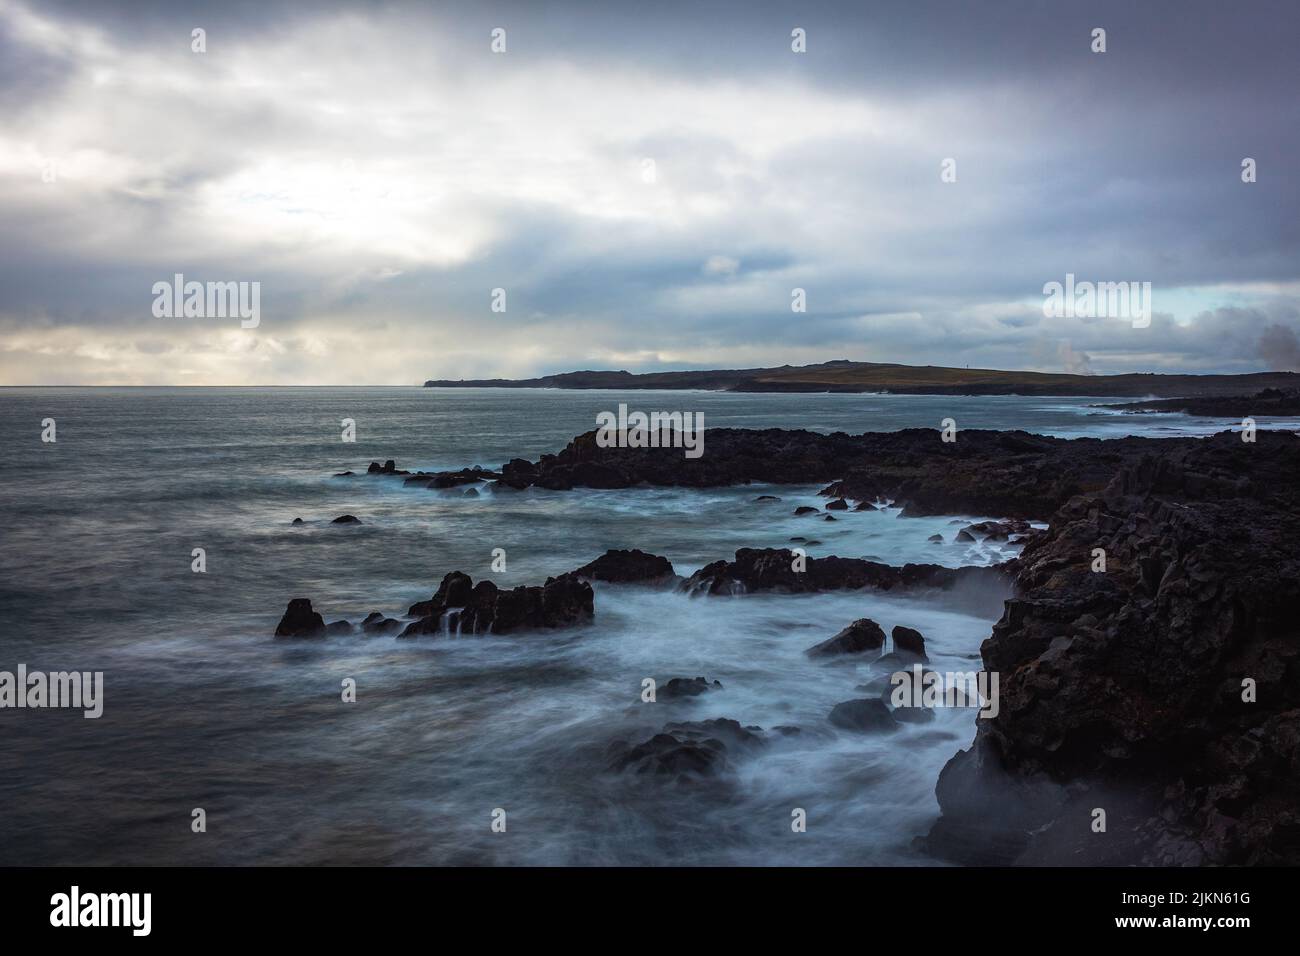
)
(203, 708)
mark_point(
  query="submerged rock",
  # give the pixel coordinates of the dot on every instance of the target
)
(996, 530)
(860, 637)
(436, 479)
(679, 687)
(376, 623)
(465, 476)
(300, 620)
(773, 569)
(865, 715)
(687, 750)
(346, 519)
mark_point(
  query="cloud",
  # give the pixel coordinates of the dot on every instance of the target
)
(721, 266)
(1279, 348)
(380, 174)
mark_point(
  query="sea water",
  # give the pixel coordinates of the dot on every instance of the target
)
(204, 709)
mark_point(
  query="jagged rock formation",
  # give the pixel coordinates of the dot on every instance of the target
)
(628, 567)
(461, 606)
(300, 620)
(1122, 690)
(1010, 473)
(773, 569)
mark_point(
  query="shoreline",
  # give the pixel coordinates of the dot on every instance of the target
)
(1196, 582)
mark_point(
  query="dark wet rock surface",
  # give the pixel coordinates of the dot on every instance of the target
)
(861, 637)
(682, 687)
(432, 479)
(1120, 689)
(867, 715)
(376, 623)
(300, 620)
(1123, 689)
(460, 606)
(688, 749)
(1011, 473)
(773, 569)
(908, 642)
(628, 567)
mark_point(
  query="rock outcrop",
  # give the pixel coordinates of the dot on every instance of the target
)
(628, 567)
(1268, 401)
(686, 751)
(460, 606)
(867, 715)
(679, 688)
(1010, 473)
(451, 479)
(908, 643)
(1164, 689)
(861, 637)
(300, 620)
(773, 569)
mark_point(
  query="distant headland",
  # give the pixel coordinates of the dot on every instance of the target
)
(846, 376)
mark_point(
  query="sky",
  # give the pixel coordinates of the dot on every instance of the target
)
(646, 183)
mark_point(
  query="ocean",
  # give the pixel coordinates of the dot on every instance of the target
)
(203, 708)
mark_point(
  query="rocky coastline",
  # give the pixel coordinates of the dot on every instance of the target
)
(1148, 655)
(1162, 691)
(1266, 402)
(1015, 474)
